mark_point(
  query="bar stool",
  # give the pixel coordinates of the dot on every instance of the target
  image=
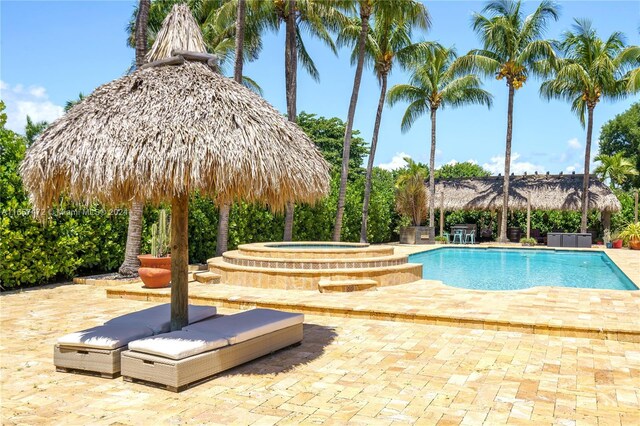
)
(458, 234)
(470, 237)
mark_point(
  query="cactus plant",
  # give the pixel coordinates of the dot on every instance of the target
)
(160, 234)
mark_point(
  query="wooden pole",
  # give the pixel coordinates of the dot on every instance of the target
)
(179, 261)
(635, 210)
(606, 221)
(442, 213)
(529, 216)
(499, 224)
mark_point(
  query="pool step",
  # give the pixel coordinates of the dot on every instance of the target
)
(206, 277)
(329, 286)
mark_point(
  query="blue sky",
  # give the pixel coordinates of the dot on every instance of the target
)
(50, 51)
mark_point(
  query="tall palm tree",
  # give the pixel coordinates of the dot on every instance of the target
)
(512, 44)
(617, 168)
(592, 69)
(130, 264)
(318, 18)
(389, 41)
(415, 14)
(433, 86)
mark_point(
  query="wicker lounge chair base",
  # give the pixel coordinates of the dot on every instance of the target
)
(178, 375)
(102, 362)
(97, 350)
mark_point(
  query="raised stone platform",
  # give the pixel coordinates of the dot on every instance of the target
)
(302, 266)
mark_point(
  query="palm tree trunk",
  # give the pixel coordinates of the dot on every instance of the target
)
(290, 71)
(223, 229)
(129, 267)
(585, 179)
(131, 263)
(507, 168)
(372, 154)
(365, 11)
(141, 31)
(432, 179)
(240, 22)
(223, 218)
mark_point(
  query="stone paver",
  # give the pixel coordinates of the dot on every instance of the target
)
(347, 370)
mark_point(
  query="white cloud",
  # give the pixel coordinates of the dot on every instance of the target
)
(570, 169)
(496, 165)
(397, 162)
(574, 143)
(33, 102)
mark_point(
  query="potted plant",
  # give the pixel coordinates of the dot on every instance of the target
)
(616, 241)
(607, 238)
(411, 203)
(441, 239)
(631, 235)
(155, 268)
(528, 241)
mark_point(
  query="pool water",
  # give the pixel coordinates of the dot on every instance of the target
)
(314, 246)
(513, 269)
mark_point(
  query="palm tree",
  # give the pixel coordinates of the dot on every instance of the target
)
(315, 17)
(512, 44)
(415, 14)
(433, 86)
(616, 168)
(70, 104)
(591, 69)
(223, 217)
(389, 40)
(33, 129)
(130, 264)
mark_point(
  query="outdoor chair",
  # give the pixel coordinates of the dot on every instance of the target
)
(470, 237)
(179, 359)
(447, 236)
(97, 349)
(458, 235)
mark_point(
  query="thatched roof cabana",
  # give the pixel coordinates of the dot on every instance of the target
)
(545, 192)
(173, 127)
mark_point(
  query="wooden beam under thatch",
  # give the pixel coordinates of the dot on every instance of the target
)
(546, 192)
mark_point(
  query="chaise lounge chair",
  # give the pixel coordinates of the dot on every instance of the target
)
(97, 349)
(182, 358)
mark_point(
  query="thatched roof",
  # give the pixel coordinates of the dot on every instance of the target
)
(547, 192)
(163, 130)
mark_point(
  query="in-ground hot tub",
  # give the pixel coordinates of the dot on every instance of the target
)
(304, 265)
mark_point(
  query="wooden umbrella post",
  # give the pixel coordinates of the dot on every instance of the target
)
(441, 214)
(529, 216)
(635, 210)
(179, 261)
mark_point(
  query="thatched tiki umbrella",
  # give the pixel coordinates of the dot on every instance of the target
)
(174, 127)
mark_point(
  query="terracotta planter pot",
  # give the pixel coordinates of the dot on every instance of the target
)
(155, 277)
(634, 244)
(617, 244)
(149, 261)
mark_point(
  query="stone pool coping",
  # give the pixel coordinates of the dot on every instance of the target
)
(599, 314)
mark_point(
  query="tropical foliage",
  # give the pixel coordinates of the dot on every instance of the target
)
(622, 135)
(616, 168)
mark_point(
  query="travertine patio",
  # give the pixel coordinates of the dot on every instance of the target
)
(358, 370)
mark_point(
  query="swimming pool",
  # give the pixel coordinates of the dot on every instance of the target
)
(514, 269)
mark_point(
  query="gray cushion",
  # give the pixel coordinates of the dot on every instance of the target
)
(158, 318)
(108, 337)
(179, 344)
(247, 325)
